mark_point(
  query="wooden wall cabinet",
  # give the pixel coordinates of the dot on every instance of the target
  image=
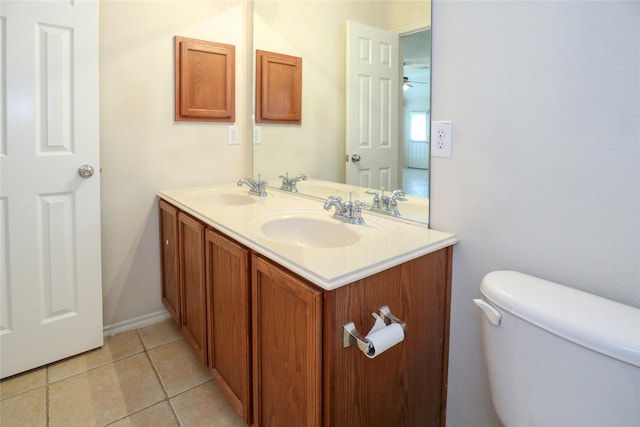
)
(274, 340)
(278, 88)
(204, 81)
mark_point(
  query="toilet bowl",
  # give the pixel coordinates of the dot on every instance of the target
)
(557, 356)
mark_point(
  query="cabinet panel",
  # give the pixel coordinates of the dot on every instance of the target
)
(287, 364)
(406, 385)
(278, 88)
(228, 314)
(191, 234)
(204, 80)
(169, 259)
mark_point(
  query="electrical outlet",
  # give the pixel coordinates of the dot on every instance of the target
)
(441, 139)
(257, 135)
(232, 135)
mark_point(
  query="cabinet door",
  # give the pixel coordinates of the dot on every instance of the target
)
(169, 258)
(191, 234)
(287, 348)
(228, 315)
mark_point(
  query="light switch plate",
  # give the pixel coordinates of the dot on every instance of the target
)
(441, 139)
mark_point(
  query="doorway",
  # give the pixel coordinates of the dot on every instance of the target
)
(416, 105)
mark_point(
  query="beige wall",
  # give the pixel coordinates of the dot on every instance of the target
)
(143, 149)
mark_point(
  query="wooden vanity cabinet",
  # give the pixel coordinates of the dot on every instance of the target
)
(205, 287)
(405, 385)
(228, 319)
(169, 259)
(287, 347)
(192, 284)
(274, 341)
(304, 376)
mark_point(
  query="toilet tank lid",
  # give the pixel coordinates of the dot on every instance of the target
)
(605, 326)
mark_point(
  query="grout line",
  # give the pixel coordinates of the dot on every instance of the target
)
(47, 414)
(48, 383)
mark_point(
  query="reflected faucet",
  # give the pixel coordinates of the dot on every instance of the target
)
(289, 184)
(387, 204)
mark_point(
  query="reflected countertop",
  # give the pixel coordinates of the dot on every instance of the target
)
(383, 242)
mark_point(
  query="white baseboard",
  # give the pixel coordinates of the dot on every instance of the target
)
(137, 322)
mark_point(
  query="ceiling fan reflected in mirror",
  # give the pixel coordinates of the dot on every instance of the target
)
(408, 84)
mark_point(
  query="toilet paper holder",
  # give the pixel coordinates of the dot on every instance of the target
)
(352, 338)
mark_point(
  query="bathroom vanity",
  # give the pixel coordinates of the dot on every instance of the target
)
(262, 298)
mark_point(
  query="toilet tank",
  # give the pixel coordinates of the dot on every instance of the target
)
(557, 356)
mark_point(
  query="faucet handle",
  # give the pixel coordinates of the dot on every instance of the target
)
(357, 211)
(393, 207)
(376, 200)
(285, 181)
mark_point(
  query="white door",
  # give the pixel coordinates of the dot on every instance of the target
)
(51, 290)
(373, 84)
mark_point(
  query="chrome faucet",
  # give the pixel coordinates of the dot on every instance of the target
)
(348, 211)
(289, 184)
(387, 204)
(256, 187)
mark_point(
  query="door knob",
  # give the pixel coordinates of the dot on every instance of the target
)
(355, 158)
(85, 171)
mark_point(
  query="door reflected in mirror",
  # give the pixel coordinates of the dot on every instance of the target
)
(317, 32)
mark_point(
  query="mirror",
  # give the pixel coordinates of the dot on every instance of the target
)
(316, 31)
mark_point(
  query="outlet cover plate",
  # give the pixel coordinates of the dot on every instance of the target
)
(441, 138)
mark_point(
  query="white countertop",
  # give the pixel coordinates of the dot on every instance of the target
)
(383, 243)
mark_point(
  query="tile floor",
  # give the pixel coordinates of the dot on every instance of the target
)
(145, 377)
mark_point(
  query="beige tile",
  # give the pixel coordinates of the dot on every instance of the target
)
(178, 367)
(205, 405)
(25, 410)
(115, 348)
(23, 382)
(159, 415)
(104, 394)
(159, 333)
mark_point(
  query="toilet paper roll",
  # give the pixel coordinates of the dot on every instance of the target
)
(383, 339)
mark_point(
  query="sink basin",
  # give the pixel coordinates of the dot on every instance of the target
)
(309, 231)
(223, 199)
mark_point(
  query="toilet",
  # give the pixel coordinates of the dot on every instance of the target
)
(557, 356)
